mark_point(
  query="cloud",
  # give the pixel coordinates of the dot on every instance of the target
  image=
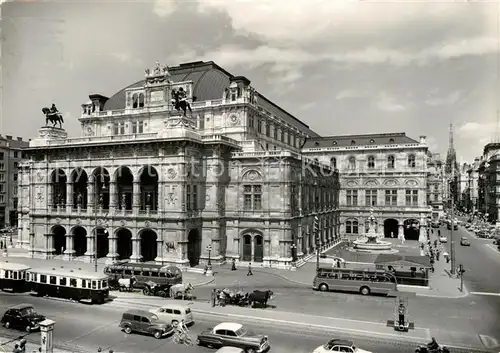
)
(483, 132)
(449, 99)
(350, 93)
(387, 102)
(164, 8)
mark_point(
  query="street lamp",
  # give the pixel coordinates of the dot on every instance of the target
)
(294, 252)
(209, 249)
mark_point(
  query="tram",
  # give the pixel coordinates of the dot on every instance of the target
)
(13, 276)
(71, 284)
(144, 273)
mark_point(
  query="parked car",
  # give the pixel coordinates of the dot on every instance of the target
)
(464, 241)
(23, 317)
(443, 239)
(234, 335)
(455, 226)
(174, 313)
(143, 321)
(339, 345)
(482, 234)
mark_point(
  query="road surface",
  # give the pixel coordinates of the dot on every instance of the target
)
(81, 327)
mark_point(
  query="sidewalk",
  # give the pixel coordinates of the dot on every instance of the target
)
(7, 344)
(323, 323)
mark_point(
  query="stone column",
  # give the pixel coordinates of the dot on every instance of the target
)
(49, 245)
(136, 249)
(113, 196)
(113, 247)
(160, 249)
(69, 196)
(90, 246)
(69, 251)
(161, 197)
(91, 194)
(50, 194)
(136, 197)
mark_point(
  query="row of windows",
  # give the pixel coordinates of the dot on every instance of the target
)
(391, 162)
(67, 281)
(138, 100)
(14, 177)
(137, 127)
(291, 139)
(391, 197)
(14, 154)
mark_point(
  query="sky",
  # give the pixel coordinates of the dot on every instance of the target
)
(341, 66)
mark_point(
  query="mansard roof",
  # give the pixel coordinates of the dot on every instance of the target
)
(209, 82)
(359, 140)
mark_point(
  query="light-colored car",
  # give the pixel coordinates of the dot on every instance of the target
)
(234, 335)
(174, 313)
(230, 350)
(443, 239)
(339, 345)
(464, 241)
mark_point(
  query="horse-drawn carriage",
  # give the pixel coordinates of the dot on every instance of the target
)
(122, 284)
(177, 291)
(227, 296)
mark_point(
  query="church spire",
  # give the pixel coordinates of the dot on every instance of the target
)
(451, 157)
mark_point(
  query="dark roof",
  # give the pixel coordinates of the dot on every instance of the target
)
(360, 140)
(407, 260)
(21, 306)
(209, 83)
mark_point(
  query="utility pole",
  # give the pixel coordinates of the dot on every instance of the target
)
(316, 235)
(452, 242)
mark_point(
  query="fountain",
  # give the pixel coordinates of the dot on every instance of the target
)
(370, 241)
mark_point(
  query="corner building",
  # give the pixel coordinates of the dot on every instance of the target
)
(383, 172)
(146, 183)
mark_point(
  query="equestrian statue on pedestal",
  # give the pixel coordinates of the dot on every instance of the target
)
(53, 115)
(179, 101)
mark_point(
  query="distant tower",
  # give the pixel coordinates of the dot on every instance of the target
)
(451, 156)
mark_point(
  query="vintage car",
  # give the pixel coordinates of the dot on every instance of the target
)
(174, 313)
(443, 239)
(464, 241)
(339, 345)
(22, 317)
(230, 350)
(234, 335)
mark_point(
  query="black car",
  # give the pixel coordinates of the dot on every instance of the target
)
(23, 317)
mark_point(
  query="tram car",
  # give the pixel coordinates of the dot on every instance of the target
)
(71, 284)
(13, 276)
(144, 273)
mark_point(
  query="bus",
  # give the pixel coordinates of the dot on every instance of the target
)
(69, 284)
(144, 273)
(13, 276)
(365, 282)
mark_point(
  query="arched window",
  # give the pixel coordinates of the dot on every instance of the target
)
(371, 162)
(135, 102)
(391, 140)
(141, 100)
(352, 163)
(390, 162)
(353, 142)
(333, 162)
(351, 226)
(411, 161)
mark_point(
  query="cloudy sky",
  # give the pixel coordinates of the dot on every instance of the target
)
(341, 66)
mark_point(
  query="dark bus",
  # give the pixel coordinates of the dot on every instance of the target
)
(143, 273)
(13, 276)
(71, 284)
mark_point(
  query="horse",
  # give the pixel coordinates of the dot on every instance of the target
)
(126, 284)
(180, 104)
(54, 118)
(260, 297)
(180, 290)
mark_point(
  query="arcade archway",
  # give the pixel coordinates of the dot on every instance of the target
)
(124, 243)
(124, 182)
(59, 236)
(411, 229)
(79, 241)
(149, 245)
(391, 228)
(194, 247)
(149, 188)
(102, 242)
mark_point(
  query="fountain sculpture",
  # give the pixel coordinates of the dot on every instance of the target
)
(370, 242)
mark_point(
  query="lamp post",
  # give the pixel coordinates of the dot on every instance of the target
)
(293, 248)
(209, 249)
(32, 243)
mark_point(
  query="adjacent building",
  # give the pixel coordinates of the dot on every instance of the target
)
(384, 172)
(435, 183)
(488, 183)
(224, 181)
(11, 154)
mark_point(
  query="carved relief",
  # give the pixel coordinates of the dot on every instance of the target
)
(411, 182)
(252, 175)
(58, 220)
(233, 119)
(39, 176)
(123, 222)
(207, 198)
(390, 182)
(78, 221)
(371, 183)
(171, 195)
(147, 224)
(171, 173)
(351, 183)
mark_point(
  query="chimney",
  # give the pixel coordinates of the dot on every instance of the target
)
(423, 139)
(9, 137)
(29, 140)
(19, 138)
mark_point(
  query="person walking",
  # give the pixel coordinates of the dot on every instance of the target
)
(249, 273)
(233, 265)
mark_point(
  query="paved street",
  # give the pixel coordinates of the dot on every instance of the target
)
(79, 327)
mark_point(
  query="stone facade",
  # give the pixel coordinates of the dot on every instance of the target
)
(383, 172)
(435, 185)
(146, 183)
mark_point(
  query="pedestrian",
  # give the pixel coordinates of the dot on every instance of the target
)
(437, 255)
(233, 266)
(249, 269)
